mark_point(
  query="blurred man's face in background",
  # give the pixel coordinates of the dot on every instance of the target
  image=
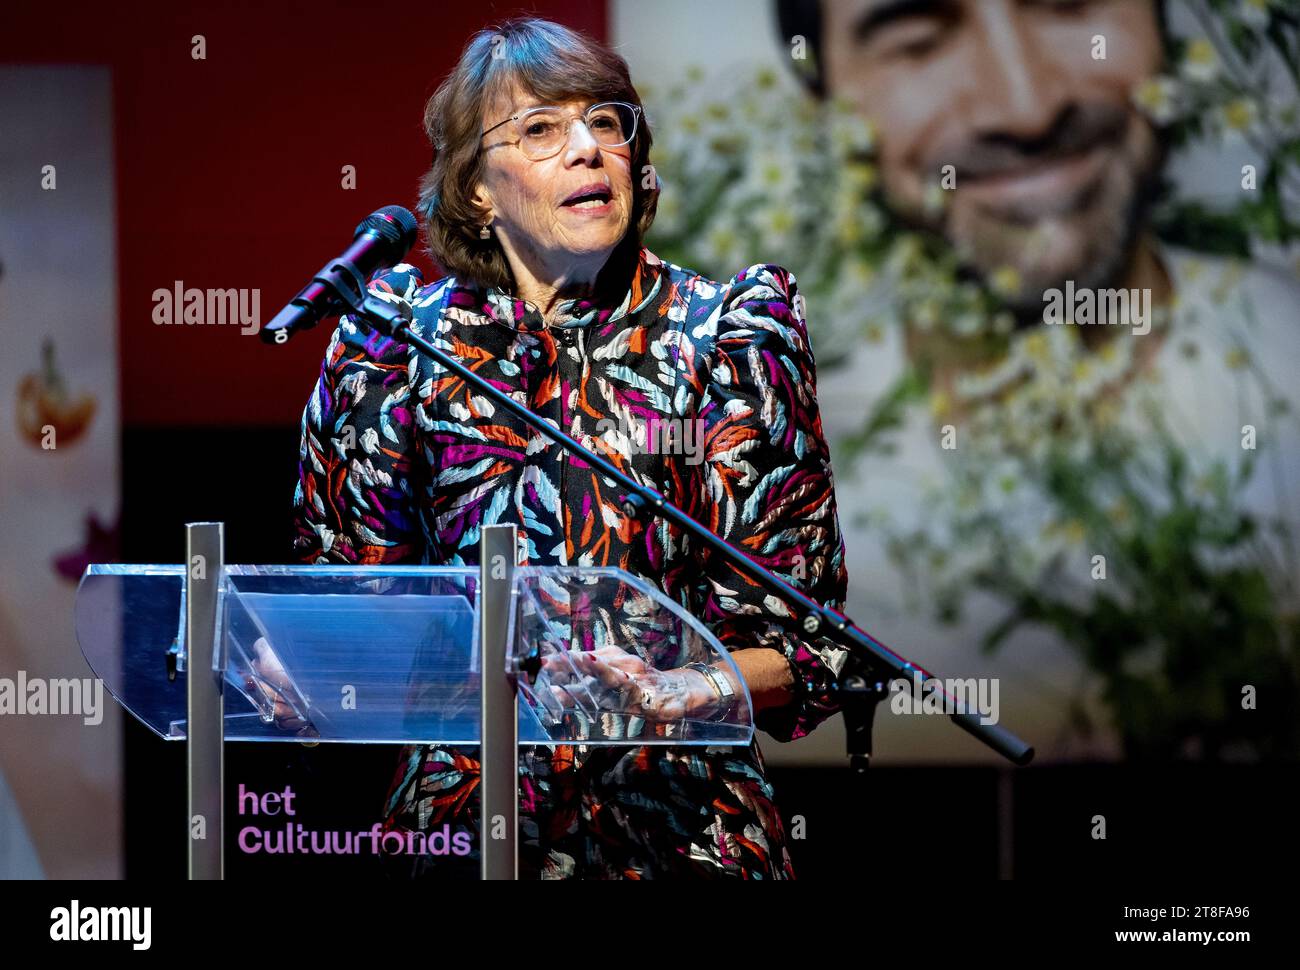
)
(1052, 159)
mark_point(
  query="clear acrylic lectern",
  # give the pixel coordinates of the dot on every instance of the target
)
(390, 655)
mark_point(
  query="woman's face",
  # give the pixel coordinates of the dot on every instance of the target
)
(533, 207)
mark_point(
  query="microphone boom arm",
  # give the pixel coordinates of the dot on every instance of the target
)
(871, 665)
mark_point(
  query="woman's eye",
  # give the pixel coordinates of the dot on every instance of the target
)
(538, 129)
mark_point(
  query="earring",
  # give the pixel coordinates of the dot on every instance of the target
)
(484, 232)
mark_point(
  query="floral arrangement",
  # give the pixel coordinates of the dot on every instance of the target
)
(1056, 467)
(1237, 82)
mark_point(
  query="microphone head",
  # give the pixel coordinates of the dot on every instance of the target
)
(395, 226)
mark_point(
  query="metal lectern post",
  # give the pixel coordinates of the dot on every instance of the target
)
(499, 717)
(204, 730)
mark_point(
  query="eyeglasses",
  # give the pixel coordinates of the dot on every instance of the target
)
(544, 131)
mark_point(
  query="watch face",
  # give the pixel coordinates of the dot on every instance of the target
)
(721, 682)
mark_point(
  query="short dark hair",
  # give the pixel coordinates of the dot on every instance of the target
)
(803, 18)
(549, 61)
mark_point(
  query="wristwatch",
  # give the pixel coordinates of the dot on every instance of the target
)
(721, 686)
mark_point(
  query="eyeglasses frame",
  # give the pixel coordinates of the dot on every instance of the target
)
(636, 125)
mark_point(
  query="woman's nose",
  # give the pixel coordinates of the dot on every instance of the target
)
(582, 147)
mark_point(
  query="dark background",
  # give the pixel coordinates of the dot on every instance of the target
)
(228, 175)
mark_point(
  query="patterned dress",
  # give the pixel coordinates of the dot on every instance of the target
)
(429, 463)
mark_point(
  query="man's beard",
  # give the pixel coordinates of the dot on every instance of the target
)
(1091, 243)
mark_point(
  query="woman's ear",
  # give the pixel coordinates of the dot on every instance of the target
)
(482, 200)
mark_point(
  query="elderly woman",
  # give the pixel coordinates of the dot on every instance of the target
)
(536, 204)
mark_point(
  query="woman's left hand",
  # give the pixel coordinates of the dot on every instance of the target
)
(659, 695)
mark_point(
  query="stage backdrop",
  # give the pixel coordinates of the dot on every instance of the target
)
(239, 144)
(251, 139)
(735, 150)
(59, 434)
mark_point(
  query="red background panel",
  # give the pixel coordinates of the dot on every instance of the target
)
(229, 168)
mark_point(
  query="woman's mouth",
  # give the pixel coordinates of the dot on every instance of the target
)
(590, 198)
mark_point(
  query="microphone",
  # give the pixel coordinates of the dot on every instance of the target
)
(383, 238)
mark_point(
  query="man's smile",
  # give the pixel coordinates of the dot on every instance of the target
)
(1039, 189)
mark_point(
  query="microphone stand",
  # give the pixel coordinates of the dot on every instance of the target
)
(870, 666)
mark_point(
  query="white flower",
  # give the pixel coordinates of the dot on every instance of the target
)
(854, 222)
(849, 134)
(1237, 119)
(773, 173)
(967, 324)
(1159, 98)
(1201, 61)
(777, 223)
(1254, 12)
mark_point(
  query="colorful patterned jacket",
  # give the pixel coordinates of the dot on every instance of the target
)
(432, 462)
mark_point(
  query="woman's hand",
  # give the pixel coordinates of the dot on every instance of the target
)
(576, 676)
(269, 678)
